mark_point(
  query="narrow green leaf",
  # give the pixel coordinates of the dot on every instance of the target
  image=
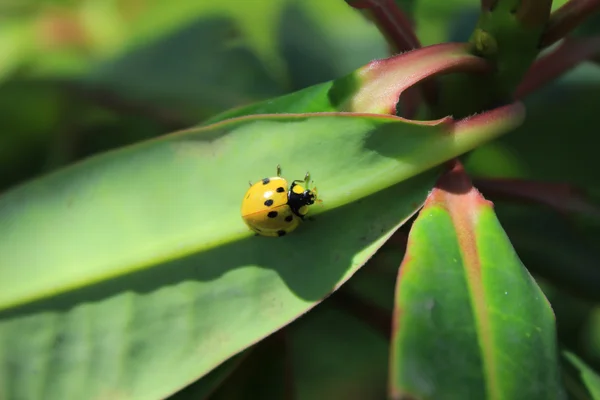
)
(165, 179)
(470, 322)
(590, 378)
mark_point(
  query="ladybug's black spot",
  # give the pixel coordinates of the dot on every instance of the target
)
(289, 218)
(269, 203)
(280, 189)
(281, 233)
(266, 181)
(272, 214)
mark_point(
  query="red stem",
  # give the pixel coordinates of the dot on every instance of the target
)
(567, 18)
(400, 35)
(567, 56)
(391, 21)
(562, 197)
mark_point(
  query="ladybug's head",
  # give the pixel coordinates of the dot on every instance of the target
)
(309, 197)
(300, 198)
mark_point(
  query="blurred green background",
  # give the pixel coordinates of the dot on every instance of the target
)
(78, 77)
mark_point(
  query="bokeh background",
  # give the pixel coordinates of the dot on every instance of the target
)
(78, 77)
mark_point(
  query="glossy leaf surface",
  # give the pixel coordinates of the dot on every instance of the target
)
(464, 303)
(143, 266)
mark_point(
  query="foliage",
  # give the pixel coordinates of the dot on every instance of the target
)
(129, 133)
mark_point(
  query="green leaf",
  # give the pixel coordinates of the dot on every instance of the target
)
(470, 322)
(143, 266)
(374, 88)
(15, 44)
(590, 378)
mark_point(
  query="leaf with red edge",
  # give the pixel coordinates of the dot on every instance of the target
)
(469, 320)
(374, 88)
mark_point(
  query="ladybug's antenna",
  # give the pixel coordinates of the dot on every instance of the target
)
(278, 170)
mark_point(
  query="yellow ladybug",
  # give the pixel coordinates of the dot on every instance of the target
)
(270, 208)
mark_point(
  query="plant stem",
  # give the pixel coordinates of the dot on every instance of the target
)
(568, 55)
(567, 18)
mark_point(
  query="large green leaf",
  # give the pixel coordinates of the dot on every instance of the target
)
(470, 322)
(135, 263)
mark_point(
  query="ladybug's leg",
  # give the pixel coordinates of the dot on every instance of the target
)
(278, 170)
(307, 179)
(250, 183)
